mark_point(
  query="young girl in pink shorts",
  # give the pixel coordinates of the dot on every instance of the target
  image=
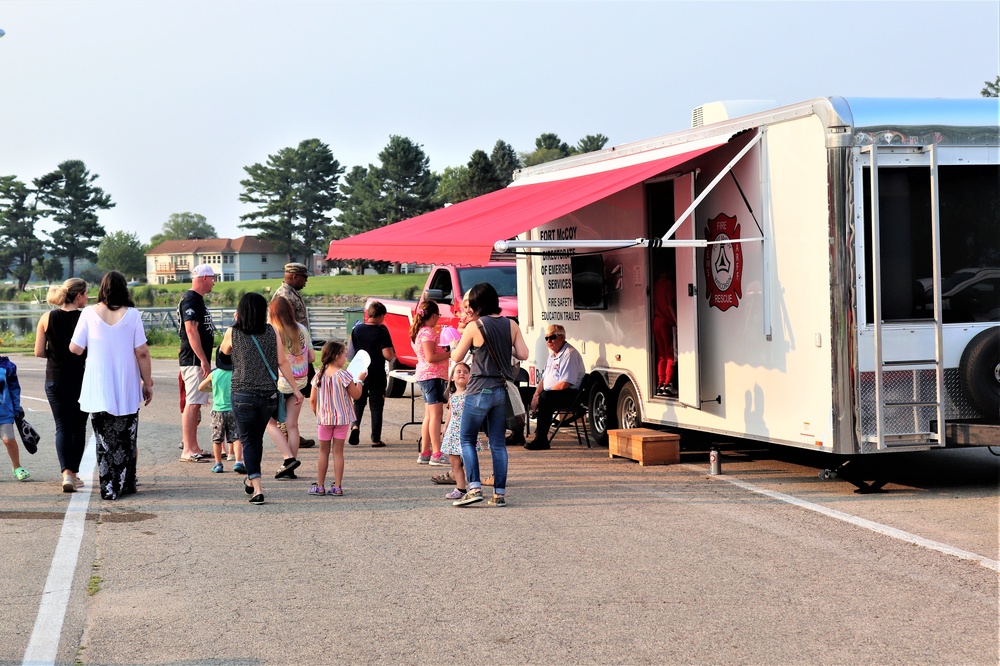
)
(332, 401)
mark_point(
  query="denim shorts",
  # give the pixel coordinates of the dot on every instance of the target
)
(432, 390)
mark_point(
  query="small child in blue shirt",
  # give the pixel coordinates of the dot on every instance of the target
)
(10, 409)
(220, 383)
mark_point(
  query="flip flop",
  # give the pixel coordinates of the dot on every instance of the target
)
(194, 459)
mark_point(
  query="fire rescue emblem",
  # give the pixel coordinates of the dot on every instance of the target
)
(724, 263)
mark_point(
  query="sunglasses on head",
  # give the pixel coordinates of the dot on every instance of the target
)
(550, 338)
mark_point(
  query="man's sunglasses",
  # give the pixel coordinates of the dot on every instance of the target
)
(550, 338)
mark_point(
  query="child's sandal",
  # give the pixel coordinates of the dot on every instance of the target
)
(443, 479)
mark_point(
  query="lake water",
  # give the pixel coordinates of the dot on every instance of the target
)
(21, 318)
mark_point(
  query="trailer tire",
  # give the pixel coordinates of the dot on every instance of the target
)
(394, 388)
(628, 414)
(599, 412)
(979, 372)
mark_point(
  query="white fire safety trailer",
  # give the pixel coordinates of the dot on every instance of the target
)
(836, 269)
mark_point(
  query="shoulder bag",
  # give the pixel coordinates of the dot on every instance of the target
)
(280, 417)
(515, 406)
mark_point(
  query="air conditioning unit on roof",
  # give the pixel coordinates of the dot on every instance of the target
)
(716, 112)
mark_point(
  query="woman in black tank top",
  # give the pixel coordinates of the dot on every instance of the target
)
(64, 376)
(486, 394)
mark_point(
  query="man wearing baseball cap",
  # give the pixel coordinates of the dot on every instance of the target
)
(296, 275)
(197, 333)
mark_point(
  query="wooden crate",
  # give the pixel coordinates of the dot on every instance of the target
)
(649, 447)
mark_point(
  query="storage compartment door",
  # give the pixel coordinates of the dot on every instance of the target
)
(688, 363)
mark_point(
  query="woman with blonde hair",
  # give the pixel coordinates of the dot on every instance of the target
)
(295, 339)
(64, 376)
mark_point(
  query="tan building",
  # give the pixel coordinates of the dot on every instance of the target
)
(243, 258)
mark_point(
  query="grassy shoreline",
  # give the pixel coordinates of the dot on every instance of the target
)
(320, 290)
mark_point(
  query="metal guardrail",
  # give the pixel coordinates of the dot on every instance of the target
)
(325, 323)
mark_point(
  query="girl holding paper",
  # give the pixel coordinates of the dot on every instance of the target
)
(332, 401)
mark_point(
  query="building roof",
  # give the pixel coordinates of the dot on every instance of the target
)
(243, 244)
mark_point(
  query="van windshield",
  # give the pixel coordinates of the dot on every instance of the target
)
(503, 278)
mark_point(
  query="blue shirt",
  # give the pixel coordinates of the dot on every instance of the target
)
(564, 366)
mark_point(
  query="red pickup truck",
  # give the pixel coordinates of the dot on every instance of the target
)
(446, 284)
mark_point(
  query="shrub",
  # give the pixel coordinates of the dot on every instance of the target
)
(162, 336)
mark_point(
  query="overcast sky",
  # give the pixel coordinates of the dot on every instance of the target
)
(168, 101)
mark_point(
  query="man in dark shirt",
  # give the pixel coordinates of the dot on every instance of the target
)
(197, 333)
(373, 337)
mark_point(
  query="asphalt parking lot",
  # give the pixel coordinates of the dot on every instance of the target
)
(596, 560)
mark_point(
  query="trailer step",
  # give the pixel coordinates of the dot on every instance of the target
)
(906, 439)
(910, 404)
(920, 361)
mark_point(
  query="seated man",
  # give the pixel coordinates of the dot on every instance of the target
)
(564, 372)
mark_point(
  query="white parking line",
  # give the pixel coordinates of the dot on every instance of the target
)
(43, 646)
(884, 530)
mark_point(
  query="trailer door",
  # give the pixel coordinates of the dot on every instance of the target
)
(688, 363)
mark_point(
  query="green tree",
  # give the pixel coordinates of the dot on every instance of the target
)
(992, 88)
(73, 201)
(548, 147)
(400, 187)
(49, 270)
(449, 189)
(19, 244)
(295, 193)
(505, 162)
(407, 183)
(318, 193)
(361, 203)
(590, 143)
(122, 251)
(184, 226)
(480, 176)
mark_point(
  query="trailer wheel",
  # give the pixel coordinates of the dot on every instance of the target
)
(394, 388)
(599, 412)
(628, 407)
(979, 372)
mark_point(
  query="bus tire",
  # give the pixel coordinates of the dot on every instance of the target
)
(628, 414)
(394, 388)
(979, 372)
(599, 412)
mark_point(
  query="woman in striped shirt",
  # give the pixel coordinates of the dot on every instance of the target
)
(332, 401)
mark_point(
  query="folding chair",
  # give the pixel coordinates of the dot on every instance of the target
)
(577, 414)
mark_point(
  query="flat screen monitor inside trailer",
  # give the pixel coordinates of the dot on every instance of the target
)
(588, 282)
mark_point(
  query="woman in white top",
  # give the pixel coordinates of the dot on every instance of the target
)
(116, 381)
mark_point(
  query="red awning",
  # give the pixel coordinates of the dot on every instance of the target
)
(465, 233)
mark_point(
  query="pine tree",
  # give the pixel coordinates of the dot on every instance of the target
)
(480, 176)
(73, 201)
(295, 193)
(505, 162)
(18, 240)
